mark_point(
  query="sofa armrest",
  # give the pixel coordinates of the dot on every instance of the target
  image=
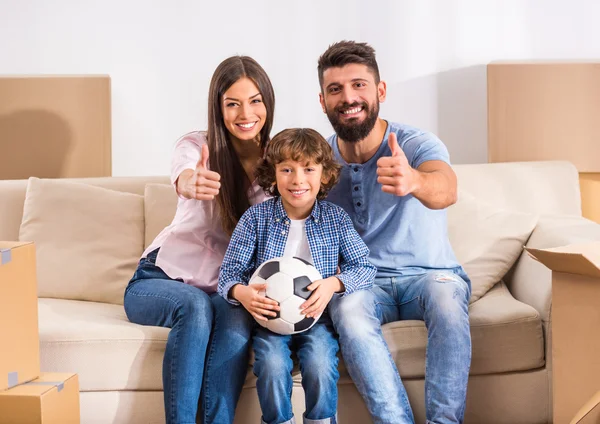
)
(531, 282)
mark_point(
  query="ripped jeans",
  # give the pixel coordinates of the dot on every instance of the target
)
(441, 299)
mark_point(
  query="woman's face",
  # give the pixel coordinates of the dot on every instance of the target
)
(244, 112)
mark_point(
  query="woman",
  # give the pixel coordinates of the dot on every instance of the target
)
(176, 280)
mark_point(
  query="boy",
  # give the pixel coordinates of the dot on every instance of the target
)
(298, 170)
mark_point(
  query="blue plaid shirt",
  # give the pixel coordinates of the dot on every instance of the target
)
(261, 234)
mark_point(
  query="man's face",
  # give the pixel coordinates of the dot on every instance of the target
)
(350, 97)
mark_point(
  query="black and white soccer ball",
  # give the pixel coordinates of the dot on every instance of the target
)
(287, 279)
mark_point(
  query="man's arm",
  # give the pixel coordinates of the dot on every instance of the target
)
(433, 182)
(436, 188)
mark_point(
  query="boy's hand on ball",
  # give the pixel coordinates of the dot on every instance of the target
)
(258, 305)
(322, 292)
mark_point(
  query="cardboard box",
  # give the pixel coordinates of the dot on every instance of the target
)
(575, 324)
(589, 413)
(51, 399)
(590, 195)
(55, 126)
(19, 334)
(543, 110)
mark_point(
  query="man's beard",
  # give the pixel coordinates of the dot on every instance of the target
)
(353, 131)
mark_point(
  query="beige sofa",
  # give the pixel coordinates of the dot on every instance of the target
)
(83, 327)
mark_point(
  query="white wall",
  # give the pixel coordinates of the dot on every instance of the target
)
(161, 55)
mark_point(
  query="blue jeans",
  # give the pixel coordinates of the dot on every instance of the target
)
(441, 299)
(153, 298)
(317, 350)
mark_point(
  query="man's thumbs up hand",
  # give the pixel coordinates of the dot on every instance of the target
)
(394, 173)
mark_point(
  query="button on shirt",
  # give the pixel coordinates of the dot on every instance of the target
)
(262, 232)
(404, 236)
(192, 247)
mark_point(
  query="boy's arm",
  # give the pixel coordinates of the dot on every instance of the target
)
(356, 272)
(239, 261)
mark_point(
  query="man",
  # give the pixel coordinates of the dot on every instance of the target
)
(395, 183)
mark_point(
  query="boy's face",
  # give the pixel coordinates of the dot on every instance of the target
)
(298, 184)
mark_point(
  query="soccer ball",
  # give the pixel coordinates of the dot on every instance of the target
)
(287, 279)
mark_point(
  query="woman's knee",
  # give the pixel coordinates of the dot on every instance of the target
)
(195, 309)
(234, 316)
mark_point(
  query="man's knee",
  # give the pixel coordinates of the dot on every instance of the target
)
(357, 303)
(355, 313)
(447, 294)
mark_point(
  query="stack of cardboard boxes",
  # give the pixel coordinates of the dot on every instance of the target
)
(26, 394)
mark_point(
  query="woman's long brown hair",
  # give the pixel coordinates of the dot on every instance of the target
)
(232, 198)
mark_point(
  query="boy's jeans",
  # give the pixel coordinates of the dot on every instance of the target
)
(152, 298)
(441, 299)
(317, 350)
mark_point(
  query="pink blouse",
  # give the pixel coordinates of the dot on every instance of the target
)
(192, 247)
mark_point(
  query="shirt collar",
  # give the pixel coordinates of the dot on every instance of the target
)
(279, 213)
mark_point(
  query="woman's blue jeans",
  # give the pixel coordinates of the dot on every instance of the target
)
(207, 347)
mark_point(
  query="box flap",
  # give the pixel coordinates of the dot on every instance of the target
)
(589, 413)
(581, 258)
(6, 248)
(39, 386)
(7, 245)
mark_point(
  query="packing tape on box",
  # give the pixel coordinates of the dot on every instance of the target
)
(5, 256)
(13, 379)
(59, 384)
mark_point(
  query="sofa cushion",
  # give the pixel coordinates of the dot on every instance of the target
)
(160, 203)
(88, 239)
(486, 240)
(108, 352)
(97, 341)
(506, 336)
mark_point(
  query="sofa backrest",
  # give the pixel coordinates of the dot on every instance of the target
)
(12, 197)
(547, 188)
(541, 188)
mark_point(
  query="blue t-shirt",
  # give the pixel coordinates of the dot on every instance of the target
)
(404, 236)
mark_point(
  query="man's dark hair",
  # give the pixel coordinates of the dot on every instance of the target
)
(345, 53)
